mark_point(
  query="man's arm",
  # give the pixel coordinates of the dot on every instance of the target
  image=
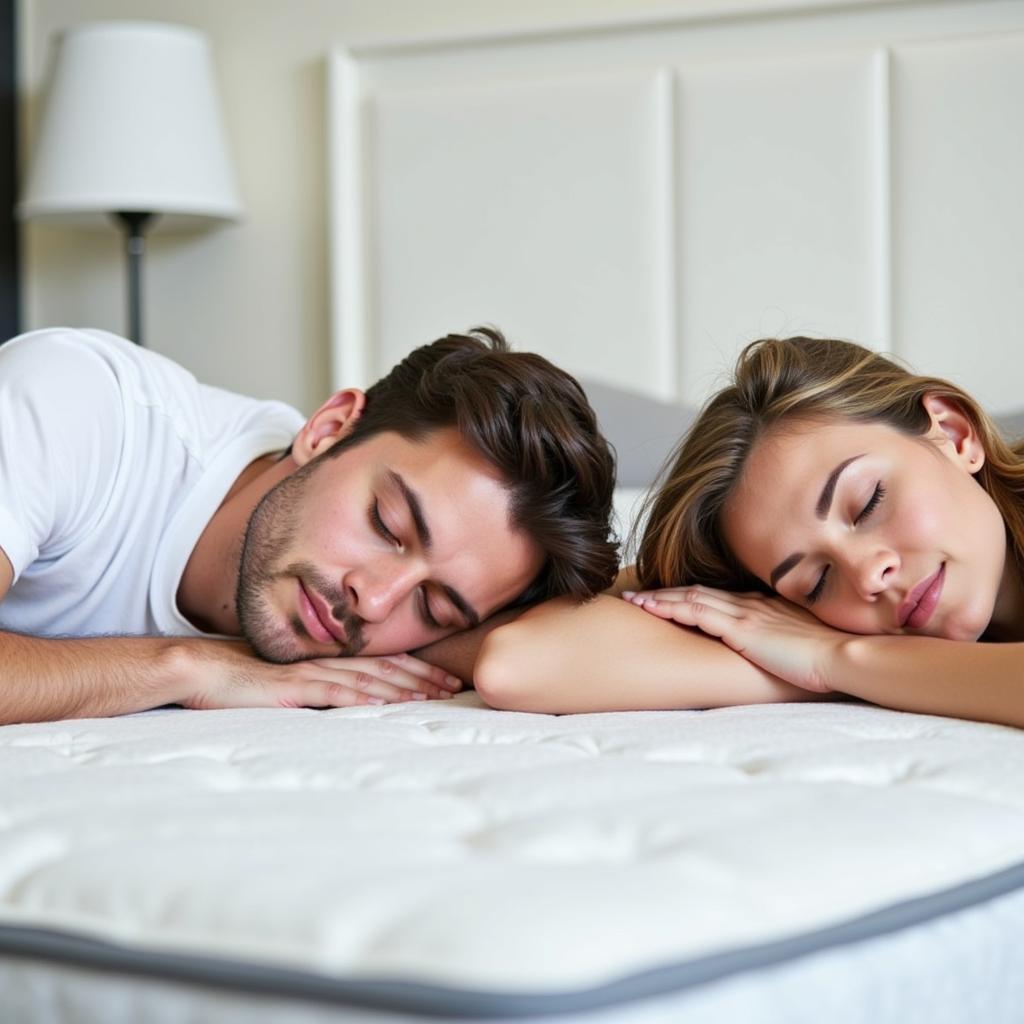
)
(46, 679)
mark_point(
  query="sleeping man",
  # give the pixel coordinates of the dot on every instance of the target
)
(165, 542)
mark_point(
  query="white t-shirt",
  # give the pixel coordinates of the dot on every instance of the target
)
(112, 461)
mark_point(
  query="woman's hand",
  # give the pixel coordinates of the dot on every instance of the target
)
(780, 637)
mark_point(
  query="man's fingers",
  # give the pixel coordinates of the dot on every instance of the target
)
(416, 666)
(321, 695)
(227, 677)
(317, 694)
(381, 677)
(404, 671)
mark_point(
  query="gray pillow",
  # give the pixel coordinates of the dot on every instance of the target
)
(642, 430)
(1011, 424)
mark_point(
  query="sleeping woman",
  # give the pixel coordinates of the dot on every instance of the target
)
(831, 526)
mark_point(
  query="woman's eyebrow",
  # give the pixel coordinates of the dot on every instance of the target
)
(821, 510)
(783, 567)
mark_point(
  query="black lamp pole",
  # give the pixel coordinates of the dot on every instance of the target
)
(134, 225)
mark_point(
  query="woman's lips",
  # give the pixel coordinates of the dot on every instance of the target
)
(317, 619)
(917, 609)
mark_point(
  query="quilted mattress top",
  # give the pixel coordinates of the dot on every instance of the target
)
(447, 843)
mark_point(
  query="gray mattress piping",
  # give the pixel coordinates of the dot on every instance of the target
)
(446, 1002)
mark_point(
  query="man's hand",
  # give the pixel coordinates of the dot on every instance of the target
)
(226, 674)
(43, 679)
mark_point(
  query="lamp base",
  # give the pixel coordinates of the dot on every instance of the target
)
(134, 224)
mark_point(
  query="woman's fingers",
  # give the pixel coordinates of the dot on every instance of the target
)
(707, 616)
(673, 603)
(692, 592)
(784, 639)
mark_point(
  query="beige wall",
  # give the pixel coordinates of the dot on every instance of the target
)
(245, 306)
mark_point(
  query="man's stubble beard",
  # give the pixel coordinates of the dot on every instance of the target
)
(269, 537)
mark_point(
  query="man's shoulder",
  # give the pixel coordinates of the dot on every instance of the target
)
(46, 340)
(92, 372)
(90, 380)
(61, 355)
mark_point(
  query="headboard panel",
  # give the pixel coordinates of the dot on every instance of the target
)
(638, 200)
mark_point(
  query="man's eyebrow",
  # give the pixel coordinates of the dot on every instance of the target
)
(821, 510)
(470, 613)
(412, 499)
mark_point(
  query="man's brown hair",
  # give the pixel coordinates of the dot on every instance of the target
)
(533, 423)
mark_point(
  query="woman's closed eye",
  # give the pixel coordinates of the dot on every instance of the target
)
(873, 502)
(818, 587)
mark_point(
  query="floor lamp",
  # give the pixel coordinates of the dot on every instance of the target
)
(131, 129)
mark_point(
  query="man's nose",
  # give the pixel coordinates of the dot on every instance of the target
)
(379, 588)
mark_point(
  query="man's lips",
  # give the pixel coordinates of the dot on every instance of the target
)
(317, 618)
(917, 609)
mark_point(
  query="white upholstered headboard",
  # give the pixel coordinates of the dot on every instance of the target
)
(636, 200)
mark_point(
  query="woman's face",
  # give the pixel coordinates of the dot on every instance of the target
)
(874, 531)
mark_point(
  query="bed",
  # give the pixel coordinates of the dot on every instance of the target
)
(446, 861)
(589, 190)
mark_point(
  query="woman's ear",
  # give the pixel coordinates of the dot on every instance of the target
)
(330, 423)
(954, 429)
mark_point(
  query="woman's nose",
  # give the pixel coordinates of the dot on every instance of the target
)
(874, 571)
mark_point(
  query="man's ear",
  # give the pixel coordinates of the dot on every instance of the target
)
(331, 422)
(955, 430)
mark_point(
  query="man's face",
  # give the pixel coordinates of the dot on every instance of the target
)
(384, 547)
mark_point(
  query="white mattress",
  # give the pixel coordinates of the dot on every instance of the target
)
(445, 851)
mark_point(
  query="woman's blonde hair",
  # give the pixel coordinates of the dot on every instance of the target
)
(780, 380)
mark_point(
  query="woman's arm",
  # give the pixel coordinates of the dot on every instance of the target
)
(459, 652)
(984, 682)
(927, 675)
(606, 655)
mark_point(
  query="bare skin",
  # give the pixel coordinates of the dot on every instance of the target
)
(605, 655)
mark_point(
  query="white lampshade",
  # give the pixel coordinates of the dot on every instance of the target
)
(132, 122)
